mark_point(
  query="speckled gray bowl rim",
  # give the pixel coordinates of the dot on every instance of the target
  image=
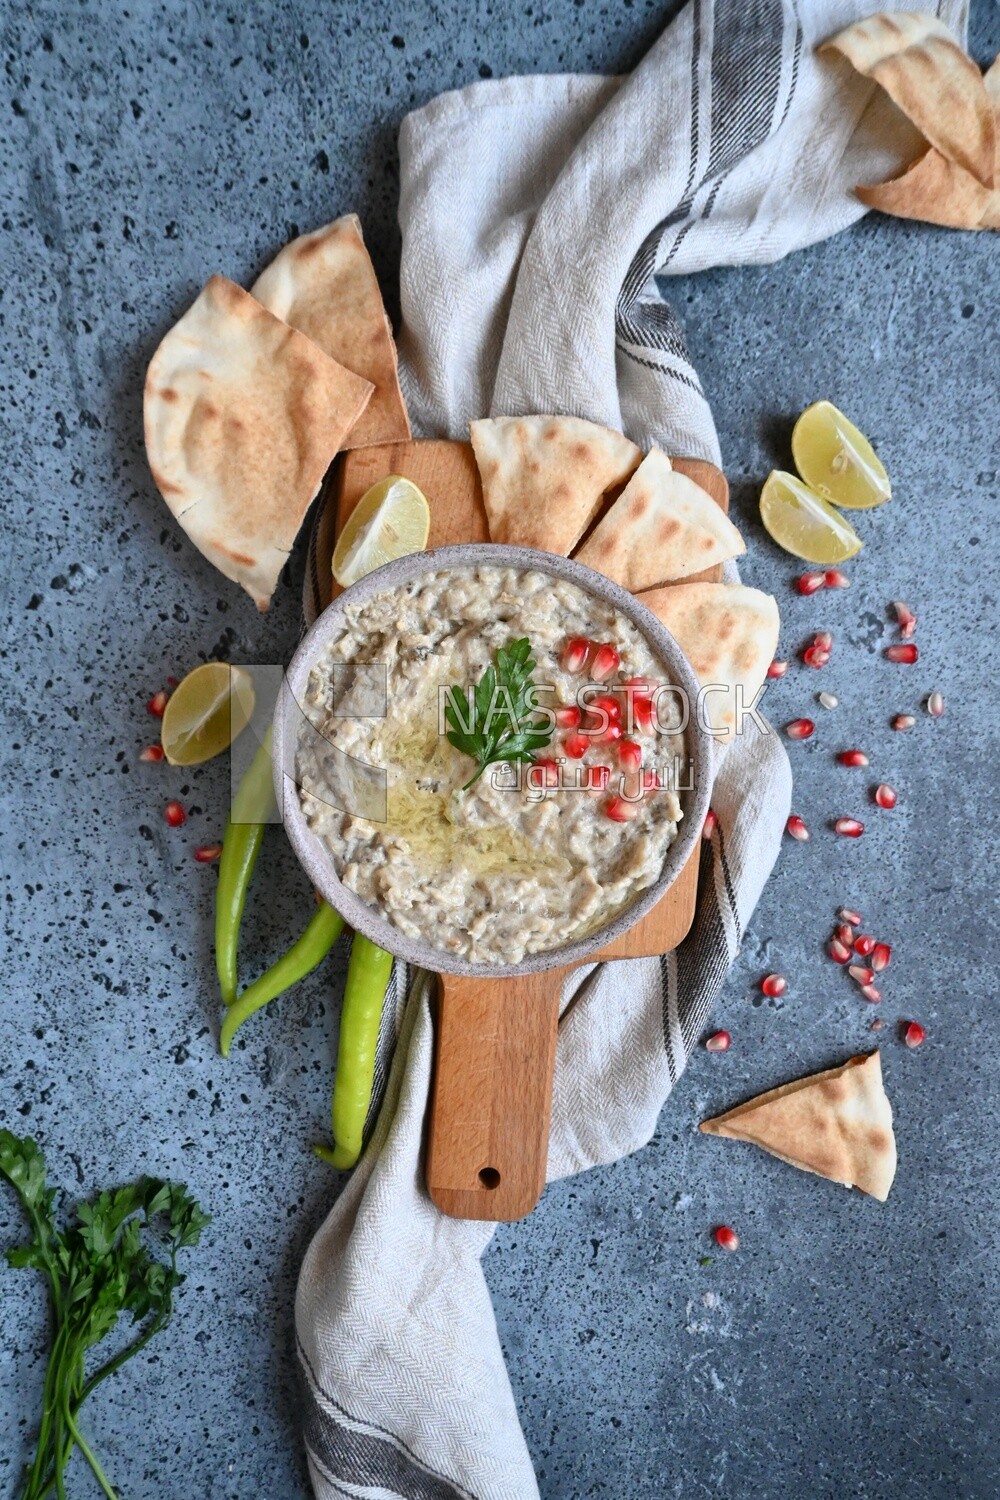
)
(318, 862)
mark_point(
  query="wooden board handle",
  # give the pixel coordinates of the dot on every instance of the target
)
(491, 1097)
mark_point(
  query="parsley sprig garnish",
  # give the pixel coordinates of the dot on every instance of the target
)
(495, 723)
(97, 1268)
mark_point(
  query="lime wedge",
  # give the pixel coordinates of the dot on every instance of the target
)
(803, 522)
(391, 520)
(837, 460)
(206, 712)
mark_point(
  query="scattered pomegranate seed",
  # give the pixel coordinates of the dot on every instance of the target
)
(860, 974)
(549, 769)
(606, 660)
(876, 1025)
(598, 778)
(575, 654)
(644, 715)
(800, 729)
(576, 746)
(849, 828)
(847, 915)
(824, 640)
(827, 700)
(157, 704)
(903, 721)
(710, 824)
(845, 934)
(620, 811)
(871, 994)
(569, 717)
(726, 1238)
(808, 583)
(907, 654)
(815, 656)
(718, 1042)
(835, 579)
(774, 985)
(152, 752)
(881, 957)
(797, 829)
(838, 952)
(885, 796)
(935, 705)
(906, 618)
(914, 1035)
(174, 814)
(777, 668)
(629, 755)
(864, 945)
(208, 853)
(852, 758)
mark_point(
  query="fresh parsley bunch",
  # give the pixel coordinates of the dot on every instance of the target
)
(496, 725)
(97, 1268)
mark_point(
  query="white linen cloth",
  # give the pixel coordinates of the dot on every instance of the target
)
(536, 213)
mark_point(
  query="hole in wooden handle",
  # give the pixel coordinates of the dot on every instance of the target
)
(489, 1177)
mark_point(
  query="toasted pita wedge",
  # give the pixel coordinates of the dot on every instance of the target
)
(243, 416)
(837, 1124)
(924, 71)
(729, 634)
(324, 284)
(662, 526)
(544, 477)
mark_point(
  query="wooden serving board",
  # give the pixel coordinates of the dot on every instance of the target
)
(491, 1096)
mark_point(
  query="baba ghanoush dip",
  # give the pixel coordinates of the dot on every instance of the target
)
(527, 855)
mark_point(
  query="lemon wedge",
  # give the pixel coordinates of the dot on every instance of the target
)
(206, 712)
(391, 520)
(837, 460)
(803, 522)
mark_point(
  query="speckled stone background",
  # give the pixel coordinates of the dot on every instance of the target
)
(849, 1349)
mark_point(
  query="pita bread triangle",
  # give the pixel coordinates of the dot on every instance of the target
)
(324, 284)
(662, 526)
(837, 1124)
(544, 477)
(729, 634)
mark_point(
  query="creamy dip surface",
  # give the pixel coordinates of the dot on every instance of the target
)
(496, 872)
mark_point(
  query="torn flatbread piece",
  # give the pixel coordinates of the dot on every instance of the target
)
(729, 634)
(837, 1124)
(243, 416)
(324, 284)
(662, 526)
(938, 87)
(544, 477)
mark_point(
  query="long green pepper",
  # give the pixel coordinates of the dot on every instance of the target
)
(253, 808)
(368, 975)
(323, 930)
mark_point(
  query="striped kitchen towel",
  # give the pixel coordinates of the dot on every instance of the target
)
(537, 214)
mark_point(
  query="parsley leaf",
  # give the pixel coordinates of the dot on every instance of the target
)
(494, 721)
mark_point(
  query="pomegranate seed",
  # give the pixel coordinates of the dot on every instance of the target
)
(606, 660)
(607, 736)
(835, 579)
(604, 703)
(597, 778)
(877, 1025)
(174, 814)
(903, 721)
(845, 934)
(824, 640)
(800, 729)
(549, 769)
(629, 755)
(815, 656)
(208, 853)
(860, 974)
(838, 952)
(881, 957)
(576, 746)
(644, 715)
(568, 718)
(808, 583)
(914, 1035)
(777, 668)
(641, 687)
(827, 700)
(852, 758)
(885, 796)
(906, 618)
(173, 682)
(907, 654)
(726, 1238)
(718, 1042)
(849, 828)
(797, 829)
(575, 654)
(620, 811)
(864, 945)
(935, 705)
(152, 752)
(871, 994)
(774, 985)
(847, 915)
(710, 824)
(157, 704)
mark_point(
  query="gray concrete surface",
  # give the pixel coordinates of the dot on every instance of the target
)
(848, 1349)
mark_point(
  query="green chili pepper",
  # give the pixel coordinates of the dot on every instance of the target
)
(302, 957)
(253, 808)
(364, 996)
